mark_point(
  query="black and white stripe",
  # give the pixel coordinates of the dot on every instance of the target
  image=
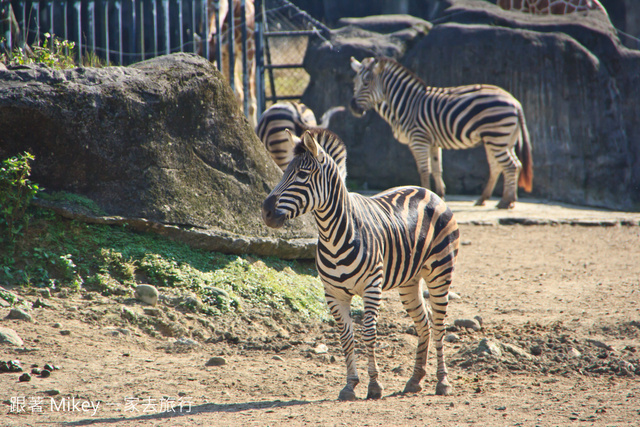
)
(429, 119)
(404, 238)
(293, 116)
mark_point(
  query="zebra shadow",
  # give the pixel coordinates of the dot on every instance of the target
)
(193, 410)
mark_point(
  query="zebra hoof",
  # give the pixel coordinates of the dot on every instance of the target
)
(506, 205)
(479, 202)
(412, 387)
(347, 394)
(374, 391)
(443, 388)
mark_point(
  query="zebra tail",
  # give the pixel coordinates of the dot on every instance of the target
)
(326, 117)
(523, 151)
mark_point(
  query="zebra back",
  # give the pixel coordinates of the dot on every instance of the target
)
(293, 116)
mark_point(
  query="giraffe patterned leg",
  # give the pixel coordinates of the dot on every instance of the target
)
(371, 298)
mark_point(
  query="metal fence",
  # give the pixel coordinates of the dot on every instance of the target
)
(121, 32)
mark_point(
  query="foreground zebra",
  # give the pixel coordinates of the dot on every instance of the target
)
(431, 118)
(403, 238)
(293, 116)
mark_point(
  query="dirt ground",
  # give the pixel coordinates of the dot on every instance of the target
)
(561, 301)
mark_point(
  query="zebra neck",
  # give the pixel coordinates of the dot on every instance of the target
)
(334, 218)
(403, 97)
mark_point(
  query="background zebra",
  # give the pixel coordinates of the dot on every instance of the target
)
(403, 238)
(293, 116)
(431, 118)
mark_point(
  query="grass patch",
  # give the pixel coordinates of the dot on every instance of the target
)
(61, 254)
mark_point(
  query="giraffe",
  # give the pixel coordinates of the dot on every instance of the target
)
(551, 7)
(237, 35)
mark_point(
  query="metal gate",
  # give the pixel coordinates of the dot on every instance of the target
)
(121, 32)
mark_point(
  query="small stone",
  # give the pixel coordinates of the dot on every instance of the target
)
(65, 332)
(45, 373)
(478, 319)
(468, 323)
(516, 351)
(278, 358)
(10, 336)
(216, 291)
(147, 294)
(321, 349)
(488, 347)
(41, 304)
(24, 377)
(45, 293)
(129, 314)
(19, 314)
(57, 325)
(49, 367)
(536, 350)
(452, 338)
(573, 353)
(36, 371)
(453, 295)
(216, 361)
(53, 392)
(151, 311)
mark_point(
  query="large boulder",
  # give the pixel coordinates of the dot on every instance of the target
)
(578, 85)
(162, 140)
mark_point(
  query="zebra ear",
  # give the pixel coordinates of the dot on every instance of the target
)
(355, 65)
(312, 145)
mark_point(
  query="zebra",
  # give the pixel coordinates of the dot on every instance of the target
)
(404, 238)
(429, 119)
(296, 117)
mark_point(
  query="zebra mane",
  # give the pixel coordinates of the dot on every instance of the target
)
(331, 144)
(385, 61)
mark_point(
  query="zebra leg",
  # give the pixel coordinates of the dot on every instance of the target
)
(438, 282)
(422, 155)
(371, 297)
(413, 302)
(341, 311)
(494, 174)
(511, 168)
(436, 163)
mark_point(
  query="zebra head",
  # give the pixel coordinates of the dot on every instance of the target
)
(299, 190)
(366, 90)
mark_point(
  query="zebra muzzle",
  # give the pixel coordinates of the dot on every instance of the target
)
(271, 216)
(355, 109)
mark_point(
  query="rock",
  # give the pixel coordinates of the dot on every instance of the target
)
(278, 358)
(19, 314)
(36, 371)
(478, 319)
(486, 346)
(186, 153)
(468, 323)
(52, 392)
(65, 332)
(45, 293)
(45, 373)
(129, 314)
(147, 294)
(9, 336)
(57, 325)
(24, 377)
(531, 52)
(152, 311)
(574, 353)
(321, 349)
(515, 350)
(452, 338)
(536, 350)
(10, 366)
(600, 344)
(214, 291)
(216, 361)
(41, 304)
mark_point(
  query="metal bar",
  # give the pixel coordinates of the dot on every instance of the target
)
(245, 70)
(36, 6)
(78, 6)
(205, 30)
(154, 12)
(278, 98)
(218, 36)
(107, 52)
(289, 33)
(267, 50)
(260, 90)
(120, 56)
(132, 35)
(92, 25)
(193, 26)
(231, 35)
(51, 6)
(283, 66)
(142, 44)
(180, 25)
(167, 36)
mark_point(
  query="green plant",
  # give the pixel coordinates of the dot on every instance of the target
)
(16, 192)
(54, 52)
